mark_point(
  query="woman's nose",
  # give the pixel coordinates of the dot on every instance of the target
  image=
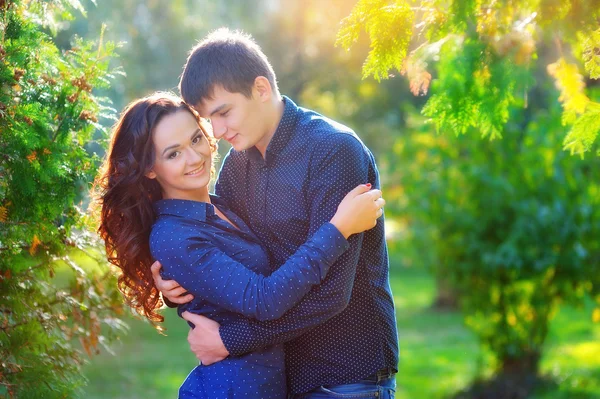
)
(193, 156)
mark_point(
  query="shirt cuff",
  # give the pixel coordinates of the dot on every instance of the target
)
(330, 241)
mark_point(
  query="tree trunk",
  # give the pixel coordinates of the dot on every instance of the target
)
(524, 365)
(446, 295)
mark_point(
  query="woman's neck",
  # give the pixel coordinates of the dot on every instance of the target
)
(200, 195)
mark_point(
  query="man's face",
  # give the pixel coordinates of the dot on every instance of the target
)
(235, 118)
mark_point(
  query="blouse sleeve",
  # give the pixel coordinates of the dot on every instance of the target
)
(208, 273)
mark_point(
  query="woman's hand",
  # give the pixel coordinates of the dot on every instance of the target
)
(359, 210)
(170, 289)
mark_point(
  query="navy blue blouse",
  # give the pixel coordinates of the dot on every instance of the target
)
(228, 271)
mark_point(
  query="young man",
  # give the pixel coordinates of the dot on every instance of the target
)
(287, 171)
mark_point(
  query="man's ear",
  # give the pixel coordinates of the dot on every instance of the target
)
(263, 88)
(151, 175)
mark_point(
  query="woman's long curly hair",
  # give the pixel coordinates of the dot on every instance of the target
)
(125, 196)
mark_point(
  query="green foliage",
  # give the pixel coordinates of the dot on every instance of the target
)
(389, 27)
(53, 14)
(477, 92)
(591, 53)
(579, 110)
(463, 14)
(571, 86)
(48, 117)
(489, 48)
(513, 223)
(584, 132)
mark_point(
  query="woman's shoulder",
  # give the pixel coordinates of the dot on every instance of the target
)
(164, 224)
(164, 227)
(169, 230)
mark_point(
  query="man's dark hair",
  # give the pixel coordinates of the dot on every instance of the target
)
(231, 59)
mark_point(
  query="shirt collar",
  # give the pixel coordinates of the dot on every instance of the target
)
(188, 208)
(284, 132)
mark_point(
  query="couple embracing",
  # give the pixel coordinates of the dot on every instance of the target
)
(282, 273)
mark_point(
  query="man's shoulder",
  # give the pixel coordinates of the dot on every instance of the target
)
(322, 131)
(321, 125)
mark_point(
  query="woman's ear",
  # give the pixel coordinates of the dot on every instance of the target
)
(151, 175)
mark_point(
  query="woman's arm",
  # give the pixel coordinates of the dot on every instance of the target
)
(208, 273)
(205, 271)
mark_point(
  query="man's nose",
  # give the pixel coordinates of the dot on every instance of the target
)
(219, 129)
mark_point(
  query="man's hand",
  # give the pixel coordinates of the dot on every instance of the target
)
(170, 289)
(204, 339)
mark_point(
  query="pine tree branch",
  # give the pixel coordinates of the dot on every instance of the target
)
(13, 326)
(2, 249)
(5, 24)
(55, 136)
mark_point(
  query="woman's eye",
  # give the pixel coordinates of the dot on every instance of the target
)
(225, 113)
(197, 139)
(173, 155)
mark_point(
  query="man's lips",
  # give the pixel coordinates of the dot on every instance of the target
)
(230, 138)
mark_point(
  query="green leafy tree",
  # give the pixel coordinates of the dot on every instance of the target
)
(479, 51)
(514, 225)
(513, 222)
(52, 310)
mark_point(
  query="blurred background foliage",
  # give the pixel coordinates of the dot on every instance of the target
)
(494, 240)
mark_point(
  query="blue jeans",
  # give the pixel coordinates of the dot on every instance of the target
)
(382, 387)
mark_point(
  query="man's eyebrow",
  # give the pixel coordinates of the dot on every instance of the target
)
(218, 109)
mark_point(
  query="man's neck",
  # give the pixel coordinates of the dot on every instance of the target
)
(275, 116)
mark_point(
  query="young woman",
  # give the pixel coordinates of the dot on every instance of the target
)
(155, 205)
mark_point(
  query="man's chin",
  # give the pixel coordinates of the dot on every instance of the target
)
(240, 147)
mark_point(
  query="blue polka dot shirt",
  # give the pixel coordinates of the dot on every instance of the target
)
(228, 271)
(344, 329)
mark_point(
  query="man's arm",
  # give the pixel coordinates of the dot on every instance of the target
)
(339, 163)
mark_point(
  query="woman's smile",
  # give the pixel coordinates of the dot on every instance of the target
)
(196, 171)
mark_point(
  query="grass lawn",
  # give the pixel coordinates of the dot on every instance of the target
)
(439, 356)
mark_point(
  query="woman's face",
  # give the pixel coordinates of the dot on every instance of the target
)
(183, 157)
